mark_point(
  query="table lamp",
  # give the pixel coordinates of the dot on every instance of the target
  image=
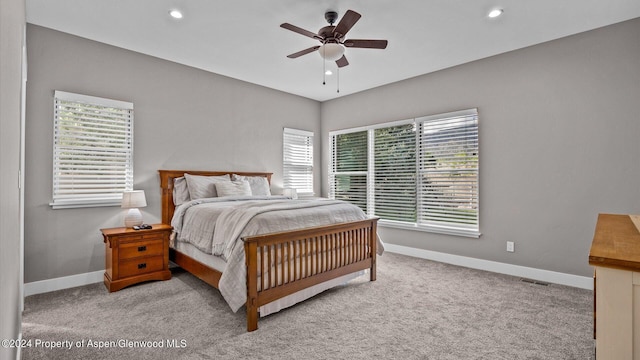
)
(133, 200)
(290, 192)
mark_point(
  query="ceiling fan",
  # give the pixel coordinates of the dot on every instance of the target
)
(333, 39)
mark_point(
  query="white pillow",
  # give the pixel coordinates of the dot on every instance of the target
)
(259, 184)
(233, 188)
(180, 191)
(204, 186)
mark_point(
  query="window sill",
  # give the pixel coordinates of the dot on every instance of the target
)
(431, 229)
(84, 204)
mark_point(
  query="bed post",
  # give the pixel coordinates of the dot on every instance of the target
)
(251, 249)
(373, 238)
(166, 185)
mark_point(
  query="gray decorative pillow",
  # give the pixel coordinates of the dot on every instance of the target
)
(233, 188)
(180, 191)
(259, 184)
(204, 186)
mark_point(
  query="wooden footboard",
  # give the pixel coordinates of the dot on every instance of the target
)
(280, 264)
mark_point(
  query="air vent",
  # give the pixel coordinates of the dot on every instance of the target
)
(531, 281)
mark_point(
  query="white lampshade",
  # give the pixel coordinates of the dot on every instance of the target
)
(292, 193)
(331, 51)
(133, 200)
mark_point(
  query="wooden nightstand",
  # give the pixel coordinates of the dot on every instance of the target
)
(134, 256)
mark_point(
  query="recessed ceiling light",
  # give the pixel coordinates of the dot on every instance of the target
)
(495, 13)
(176, 14)
(328, 72)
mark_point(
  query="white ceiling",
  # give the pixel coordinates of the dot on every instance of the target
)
(242, 39)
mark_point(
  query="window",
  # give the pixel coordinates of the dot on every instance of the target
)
(92, 150)
(349, 160)
(420, 173)
(394, 175)
(297, 161)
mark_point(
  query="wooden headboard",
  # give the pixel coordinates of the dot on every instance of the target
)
(166, 184)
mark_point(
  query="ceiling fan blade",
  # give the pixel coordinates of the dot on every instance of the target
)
(346, 23)
(303, 52)
(342, 62)
(300, 31)
(368, 44)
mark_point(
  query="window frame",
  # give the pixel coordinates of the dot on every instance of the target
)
(304, 158)
(120, 154)
(466, 230)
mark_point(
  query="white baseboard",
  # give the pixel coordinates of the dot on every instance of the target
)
(583, 282)
(44, 286)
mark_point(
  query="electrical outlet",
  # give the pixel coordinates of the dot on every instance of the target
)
(510, 246)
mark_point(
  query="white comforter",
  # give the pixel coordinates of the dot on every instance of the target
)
(216, 226)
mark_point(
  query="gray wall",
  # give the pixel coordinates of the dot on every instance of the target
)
(559, 143)
(184, 119)
(12, 23)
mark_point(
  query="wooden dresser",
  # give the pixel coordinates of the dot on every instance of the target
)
(134, 256)
(615, 253)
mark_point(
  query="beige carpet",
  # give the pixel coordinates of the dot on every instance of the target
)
(417, 309)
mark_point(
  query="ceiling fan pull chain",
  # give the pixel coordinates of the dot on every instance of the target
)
(338, 76)
(324, 68)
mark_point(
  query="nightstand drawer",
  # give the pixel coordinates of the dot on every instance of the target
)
(141, 248)
(140, 236)
(141, 266)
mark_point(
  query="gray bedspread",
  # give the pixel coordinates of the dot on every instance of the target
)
(216, 226)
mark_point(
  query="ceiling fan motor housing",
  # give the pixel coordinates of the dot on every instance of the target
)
(327, 34)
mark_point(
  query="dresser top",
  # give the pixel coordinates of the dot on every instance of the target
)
(616, 242)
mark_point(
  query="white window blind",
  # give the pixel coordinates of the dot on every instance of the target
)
(449, 170)
(92, 150)
(419, 173)
(349, 163)
(297, 162)
(394, 151)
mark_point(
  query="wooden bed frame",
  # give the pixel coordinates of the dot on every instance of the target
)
(344, 249)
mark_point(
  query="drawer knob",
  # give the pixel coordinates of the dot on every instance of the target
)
(142, 266)
(142, 248)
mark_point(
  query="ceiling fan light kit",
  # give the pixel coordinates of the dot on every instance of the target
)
(331, 51)
(332, 38)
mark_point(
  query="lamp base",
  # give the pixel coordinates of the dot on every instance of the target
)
(133, 217)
